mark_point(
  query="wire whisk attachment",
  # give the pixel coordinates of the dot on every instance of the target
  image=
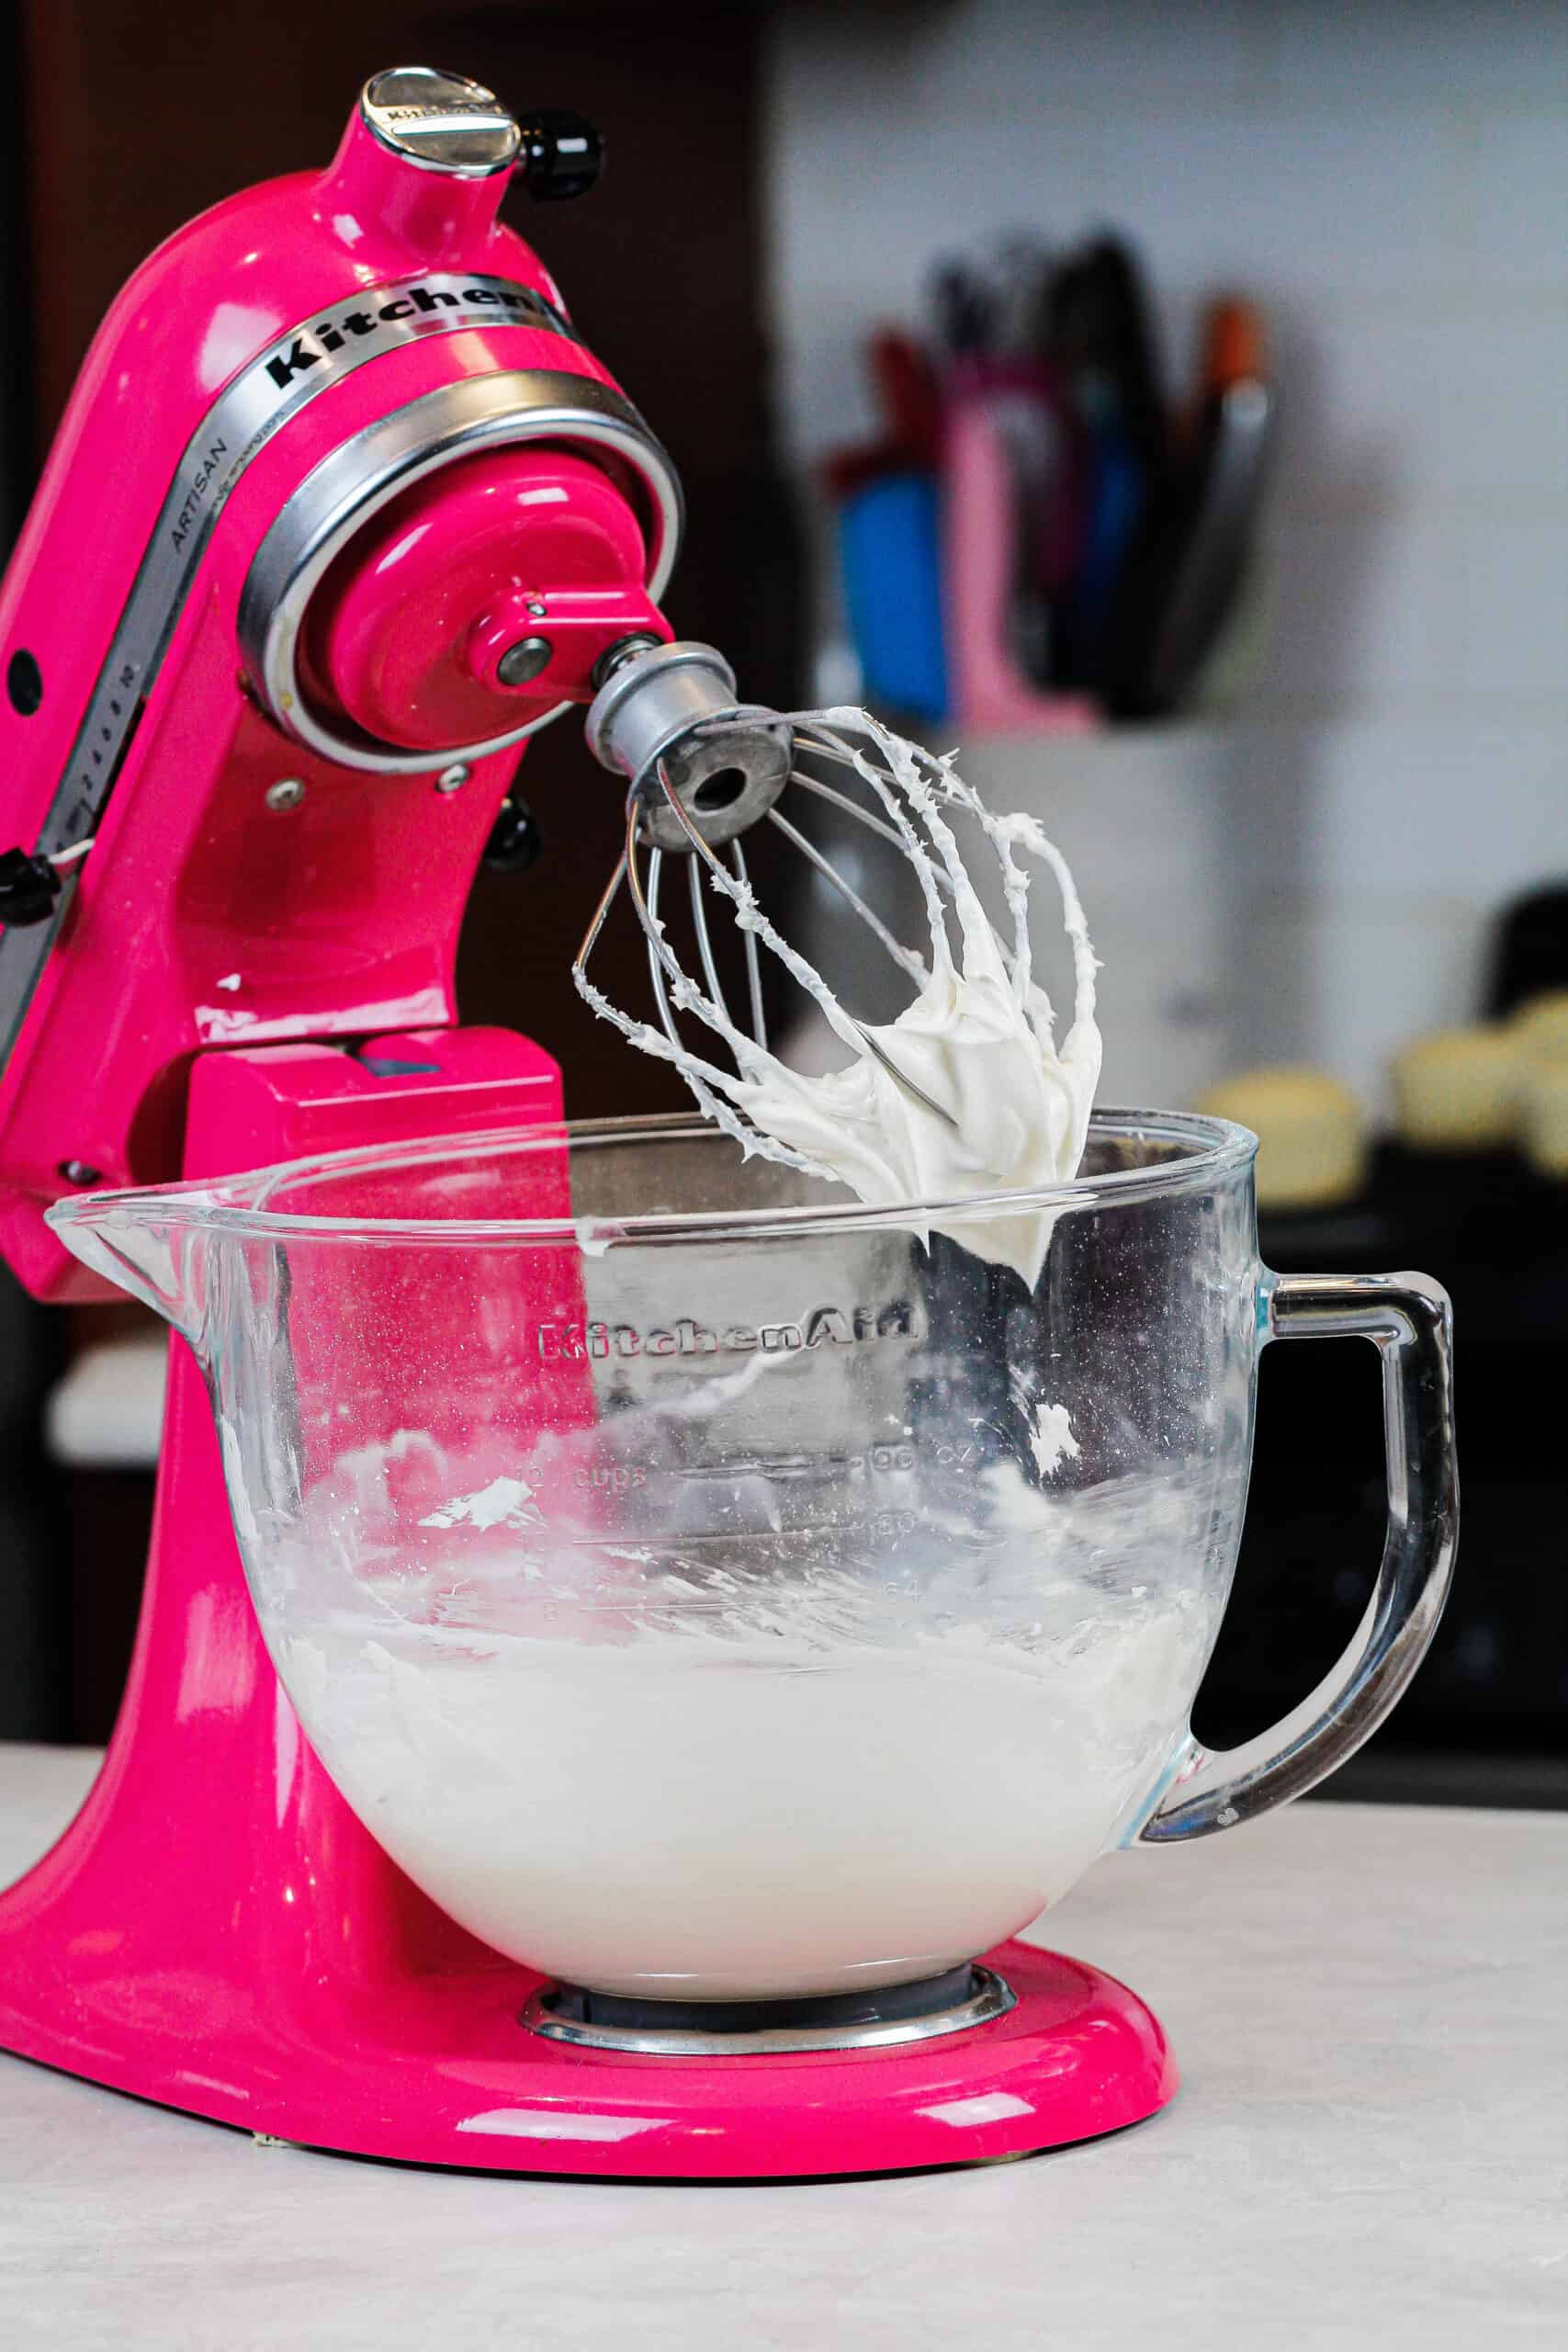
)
(689, 779)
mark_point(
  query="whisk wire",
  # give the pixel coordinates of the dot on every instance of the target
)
(673, 991)
(1014, 955)
(814, 784)
(704, 937)
(905, 957)
(742, 894)
(663, 965)
(597, 920)
(753, 960)
(652, 939)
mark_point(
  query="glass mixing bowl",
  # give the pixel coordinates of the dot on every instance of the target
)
(708, 1589)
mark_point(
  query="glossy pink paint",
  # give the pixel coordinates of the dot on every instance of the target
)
(548, 544)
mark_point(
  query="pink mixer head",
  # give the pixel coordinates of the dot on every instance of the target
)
(341, 511)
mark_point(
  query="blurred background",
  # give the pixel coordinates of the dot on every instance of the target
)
(1161, 400)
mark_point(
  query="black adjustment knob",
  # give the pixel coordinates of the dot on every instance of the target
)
(29, 888)
(561, 155)
(515, 840)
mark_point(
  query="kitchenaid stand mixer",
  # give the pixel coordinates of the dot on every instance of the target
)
(342, 509)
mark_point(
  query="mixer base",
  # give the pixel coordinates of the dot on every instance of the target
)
(447, 2076)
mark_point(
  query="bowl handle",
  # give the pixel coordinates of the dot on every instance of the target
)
(1409, 1321)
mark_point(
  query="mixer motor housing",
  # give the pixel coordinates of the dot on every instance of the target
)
(342, 509)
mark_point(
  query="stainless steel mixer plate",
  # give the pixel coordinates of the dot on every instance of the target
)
(990, 1997)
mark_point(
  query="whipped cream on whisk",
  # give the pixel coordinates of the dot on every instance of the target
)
(969, 1093)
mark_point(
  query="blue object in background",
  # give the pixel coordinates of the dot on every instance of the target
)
(1115, 506)
(890, 547)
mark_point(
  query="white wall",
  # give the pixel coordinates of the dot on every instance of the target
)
(1390, 178)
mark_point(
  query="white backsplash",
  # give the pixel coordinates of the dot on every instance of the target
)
(1391, 180)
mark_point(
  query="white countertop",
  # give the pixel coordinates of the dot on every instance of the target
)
(1370, 2149)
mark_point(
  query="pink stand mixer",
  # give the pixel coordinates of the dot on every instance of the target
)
(341, 511)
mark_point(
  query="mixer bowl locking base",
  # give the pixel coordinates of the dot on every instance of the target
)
(880, 2019)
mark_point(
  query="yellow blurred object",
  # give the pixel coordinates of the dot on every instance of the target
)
(1540, 1027)
(1311, 1133)
(1458, 1090)
(1543, 1117)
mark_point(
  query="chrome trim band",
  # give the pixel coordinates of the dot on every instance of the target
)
(388, 457)
(268, 391)
(992, 1997)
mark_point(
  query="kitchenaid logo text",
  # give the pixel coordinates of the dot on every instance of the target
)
(333, 345)
(438, 111)
(519, 304)
(824, 1327)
